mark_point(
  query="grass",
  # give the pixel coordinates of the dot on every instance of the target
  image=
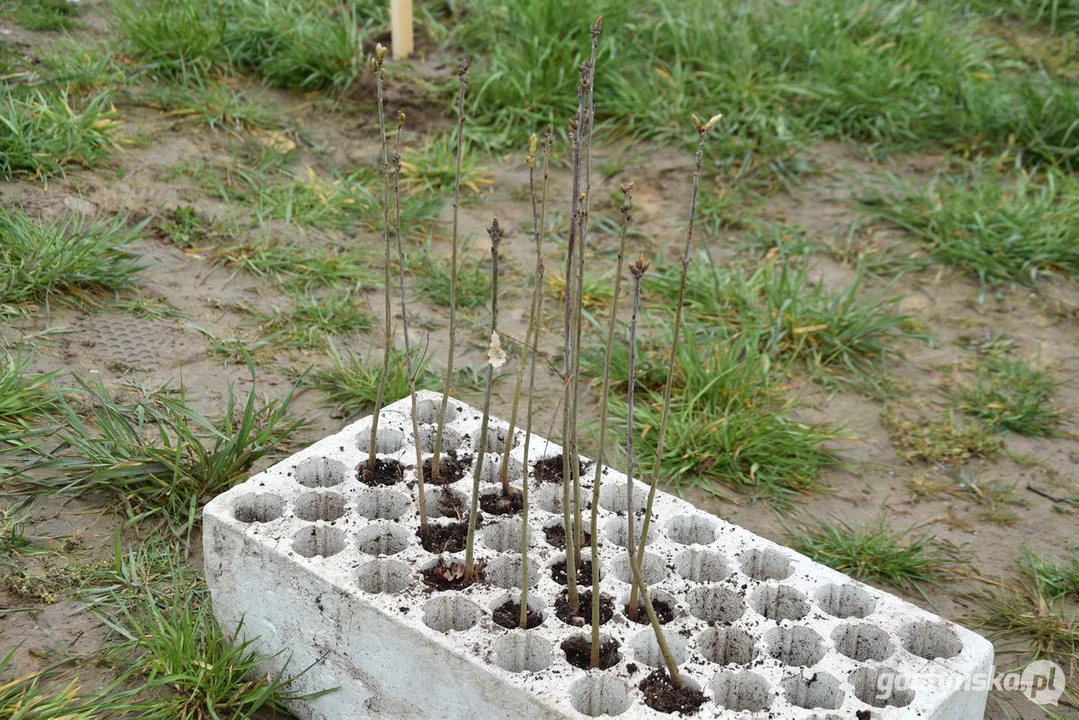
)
(44, 130)
(432, 278)
(995, 228)
(841, 330)
(875, 553)
(1030, 618)
(42, 14)
(72, 261)
(25, 397)
(943, 439)
(159, 457)
(187, 228)
(14, 541)
(351, 384)
(28, 697)
(995, 498)
(730, 427)
(301, 44)
(1010, 395)
(299, 269)
(1058, 16)
(1057, 578)
(782, 73)
(433, 168)
(213, 103)
(314, 320)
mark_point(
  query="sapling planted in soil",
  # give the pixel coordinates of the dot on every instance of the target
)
(702, 132)
(377, 62)
(627, 216)
(535, 322)
(436, 459)
(496, 357)
(638, 269)
(422, 500)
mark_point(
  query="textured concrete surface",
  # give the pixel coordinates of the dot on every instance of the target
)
(325, 571)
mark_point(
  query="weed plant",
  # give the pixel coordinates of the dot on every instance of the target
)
(988, 226)
(72, 261)
(42, 14)
(26, 398)
(157, 455)
(315, 320)
(1010, 395)
(903, 559)
(431, 277)
(433, 168)
(351, 384)
(943, 439)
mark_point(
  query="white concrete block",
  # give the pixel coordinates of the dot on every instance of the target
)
(325, 571)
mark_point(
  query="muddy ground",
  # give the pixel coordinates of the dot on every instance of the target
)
(210, 299)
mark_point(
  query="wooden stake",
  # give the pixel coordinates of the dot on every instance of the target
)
(401, 28)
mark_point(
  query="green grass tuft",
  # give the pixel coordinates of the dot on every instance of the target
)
(433, 168)
(1011, 395)
(1057, 578)
(161, 458)
(351, 384)
(315, 320)
(945, 439)
(25, 397)
(998, 231)
(730, 426)
(432, 278)
(42, 14)
(71, 261)
(875, 553)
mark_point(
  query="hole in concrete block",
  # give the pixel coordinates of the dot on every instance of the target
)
(523, 651)
(819, 690)
(727, 646)
(550, 470)
(448, 613)
(504, 535)
(427, 411)
(881, 687)
(548, 497)
(663, 603)
(844, 601)
(713, 603)
(321, 472)
(451, 439)
(652, 569)
(387, 471)
(701, 565)
(616, 531)
(599, 694)
(768, 564)
(862, 641)
(320, 506)
(496, 502)
(692, 529)
(446, 502)
(779, 602)
(795, 646)
(578, 650)
(381, 503)
(584, 571)
(387, 539)
(505, 572)
(318, 540)
(384, 576)
(554, 532)
(388, 438)
(491, 472)
(496, 437)
(506, 611)
(646, 650)
(257, 508)
(612, 496)
(741, 691)
(931, 640)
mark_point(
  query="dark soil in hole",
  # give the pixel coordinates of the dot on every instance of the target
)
(508, 615)
(660, 695)
(556, 536)
(584, 573)
(444, 538)
(443, 576)
(664, 612)
(450, 468)
(549, 470)
(498, 504)
(561, 608)
(387, 472)
(578, 651)
(452, 505)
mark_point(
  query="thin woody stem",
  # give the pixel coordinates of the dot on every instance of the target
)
(538, 228)
(436, 459)
(627, 208)
(495, 231)
(380, 396)
(702, 133)
(422, 500)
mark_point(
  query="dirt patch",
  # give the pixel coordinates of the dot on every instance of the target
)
(508, 615)
(661, 695)
(578, 651)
